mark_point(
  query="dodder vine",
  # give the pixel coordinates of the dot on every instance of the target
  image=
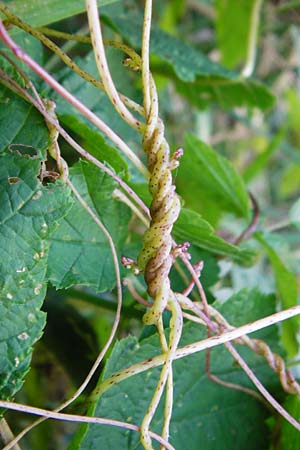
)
(159, 250)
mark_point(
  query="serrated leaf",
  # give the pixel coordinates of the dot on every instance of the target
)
(29, 213)
(205, 173)
(80, 253)
(201, 417)
(233, 22)
(42, 12)
(197, 77)
(22, 128)
(287, 289)
(191, 227)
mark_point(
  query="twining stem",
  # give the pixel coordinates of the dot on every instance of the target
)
(102, 126)
(262, 389)
(196, 347)
(63, 169)
(11, 84)
(67, 60)
(100, 56)
(75, 418)
(146, 57)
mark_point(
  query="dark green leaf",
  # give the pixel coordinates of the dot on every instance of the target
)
(22, 128)
(205, 173)
(80, 253)
(43, 12)
(221, 419)
(29, 213)
(191, 227)
(197, 77)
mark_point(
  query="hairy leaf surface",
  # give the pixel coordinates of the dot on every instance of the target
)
(29, 213)
(80, 253)
(17, 121)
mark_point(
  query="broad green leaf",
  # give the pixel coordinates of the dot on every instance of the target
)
(191, 227)
(206, 415)
(233, 24)
(22, 128)
(197, 77)
(286, 285)
(80, 253)
(42, 12)
(205, 173)
(294, 214)
(29, 214)
(289, 435)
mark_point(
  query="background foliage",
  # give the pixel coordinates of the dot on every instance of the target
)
(239, 135)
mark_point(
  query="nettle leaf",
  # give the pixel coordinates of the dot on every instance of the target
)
(43, 12)
(287, 288)
(198, 78)
(29, 214)
(221, 419)
(233, 24)
(80, 253)
(22, 128)
(191, 227)
(203, 172)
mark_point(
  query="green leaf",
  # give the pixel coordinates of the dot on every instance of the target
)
(233, 27)
(80, 253)
(205, 173)
(96, 100)
(227, 93)
(221, 419)
(22, 127)
(191, 227)
(286, 285)
(42, 12)
(289, 435)
(95, 144)
(29, 214)
(197, 77)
